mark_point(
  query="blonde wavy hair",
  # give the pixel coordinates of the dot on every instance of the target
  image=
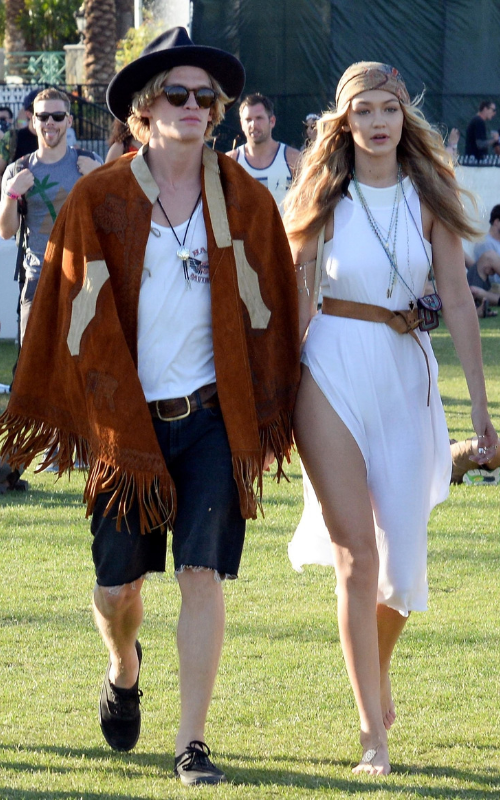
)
(139, 125)
(326, 166)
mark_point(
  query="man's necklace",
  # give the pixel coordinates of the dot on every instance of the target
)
(183, 251)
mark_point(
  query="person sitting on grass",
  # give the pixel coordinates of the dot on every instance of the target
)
(478, 278)
(463, 457)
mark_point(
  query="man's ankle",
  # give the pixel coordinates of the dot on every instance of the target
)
(124, 674)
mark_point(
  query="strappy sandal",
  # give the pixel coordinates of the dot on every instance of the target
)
(369, 755)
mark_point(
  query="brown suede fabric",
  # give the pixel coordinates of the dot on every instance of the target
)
(76, 383)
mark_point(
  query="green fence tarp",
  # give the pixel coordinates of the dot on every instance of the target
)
(295, 51)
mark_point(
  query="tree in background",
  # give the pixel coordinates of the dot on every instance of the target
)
(14, 38)
(131, 45)
(100, 44)
(49, 24)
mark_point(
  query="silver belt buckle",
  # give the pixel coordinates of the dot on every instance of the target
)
(180, 416)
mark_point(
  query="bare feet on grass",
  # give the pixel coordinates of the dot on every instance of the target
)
(375, 761)
(386, 701)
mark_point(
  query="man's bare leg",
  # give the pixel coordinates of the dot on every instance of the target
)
(200, 634)
(118, 612)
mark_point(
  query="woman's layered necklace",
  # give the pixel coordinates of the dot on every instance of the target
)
(183, 252)
(389, 242)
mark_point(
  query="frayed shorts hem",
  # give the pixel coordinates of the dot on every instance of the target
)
(220, 577)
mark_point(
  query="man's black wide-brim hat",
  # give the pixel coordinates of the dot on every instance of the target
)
(173, 48)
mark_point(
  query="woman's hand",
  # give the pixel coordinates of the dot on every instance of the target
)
(269, 459)
(487, 437)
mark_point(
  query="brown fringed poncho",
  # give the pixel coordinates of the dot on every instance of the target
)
(77, 391)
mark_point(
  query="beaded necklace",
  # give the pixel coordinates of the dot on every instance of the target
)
(389, 250)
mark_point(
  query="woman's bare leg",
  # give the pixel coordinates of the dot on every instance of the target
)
(337, 471)
(390, 624)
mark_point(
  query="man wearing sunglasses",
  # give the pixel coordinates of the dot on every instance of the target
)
(173, 371)
(37, 186)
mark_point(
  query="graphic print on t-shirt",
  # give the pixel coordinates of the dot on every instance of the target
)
(53, 207)
(198, 266)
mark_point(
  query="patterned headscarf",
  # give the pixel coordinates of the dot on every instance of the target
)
(365, 75)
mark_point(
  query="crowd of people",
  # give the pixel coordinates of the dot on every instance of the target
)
(174, 345)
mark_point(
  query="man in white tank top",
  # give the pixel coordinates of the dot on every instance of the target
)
(270, 162)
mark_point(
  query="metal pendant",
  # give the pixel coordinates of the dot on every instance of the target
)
(183, 253)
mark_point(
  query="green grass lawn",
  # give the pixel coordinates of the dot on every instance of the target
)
(283, 723)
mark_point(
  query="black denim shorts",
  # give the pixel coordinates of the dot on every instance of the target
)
(209, 530)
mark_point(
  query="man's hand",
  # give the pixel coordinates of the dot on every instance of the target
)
(87, 164)
(21, 182)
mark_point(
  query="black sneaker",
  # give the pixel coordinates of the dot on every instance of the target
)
(193, 766)
(119, 711)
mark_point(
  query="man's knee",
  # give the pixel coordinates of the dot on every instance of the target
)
(198, 582)
(112, 600)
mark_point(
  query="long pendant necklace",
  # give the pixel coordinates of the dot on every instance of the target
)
(390, 252)
(183, 251)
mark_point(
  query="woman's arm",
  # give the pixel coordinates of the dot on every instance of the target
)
(304, 258)
(461, 319)
(115, 151)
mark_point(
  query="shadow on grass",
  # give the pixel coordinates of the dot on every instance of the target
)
(464, 401)
(489, 782)
(48, 498)
(34, 794)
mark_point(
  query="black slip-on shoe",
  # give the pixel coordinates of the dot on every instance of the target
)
(194, 767)
(120, 711)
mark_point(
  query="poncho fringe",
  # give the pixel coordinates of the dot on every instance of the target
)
(26, 439)
(77, 394)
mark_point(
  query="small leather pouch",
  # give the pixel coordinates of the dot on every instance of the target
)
(428, 308)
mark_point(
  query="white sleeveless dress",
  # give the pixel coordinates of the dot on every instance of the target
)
(377, 382)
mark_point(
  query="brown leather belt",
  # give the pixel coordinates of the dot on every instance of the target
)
(182, 407)
(400, 321)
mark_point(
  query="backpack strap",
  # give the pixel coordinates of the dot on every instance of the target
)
(81, 152)
(19, 272)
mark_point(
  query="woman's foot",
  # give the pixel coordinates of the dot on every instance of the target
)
(374, 761)
(386, 701)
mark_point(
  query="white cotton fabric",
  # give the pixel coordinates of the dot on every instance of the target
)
(175, 346)
(377, 382)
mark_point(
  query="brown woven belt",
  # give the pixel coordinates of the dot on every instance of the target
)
(400, 321)
(182, 407)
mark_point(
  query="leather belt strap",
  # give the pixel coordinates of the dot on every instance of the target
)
(181, 407)
(404, 321)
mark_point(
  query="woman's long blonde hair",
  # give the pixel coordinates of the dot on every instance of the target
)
(325, 170)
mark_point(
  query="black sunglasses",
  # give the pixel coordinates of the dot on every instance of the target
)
(57, 116)
(179, 95)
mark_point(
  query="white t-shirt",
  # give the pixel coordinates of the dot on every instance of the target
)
(175, 347)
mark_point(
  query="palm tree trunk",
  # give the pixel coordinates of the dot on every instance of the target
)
(100, 45)
(14, 39)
